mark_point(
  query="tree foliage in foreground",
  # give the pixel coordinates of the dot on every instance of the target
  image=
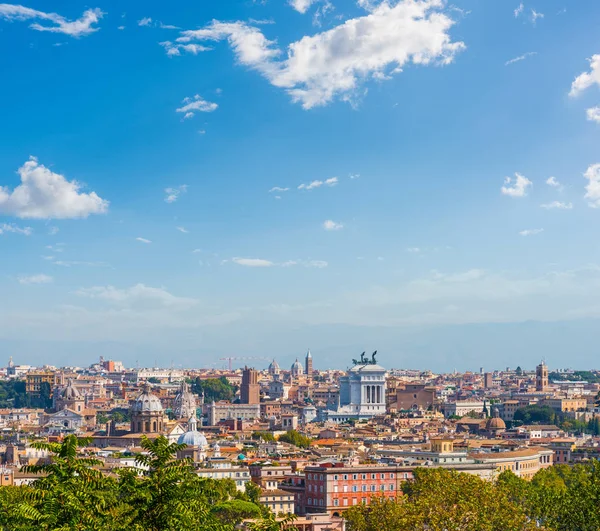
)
(560, 498)
(72, 494)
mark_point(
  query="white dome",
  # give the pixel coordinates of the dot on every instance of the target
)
(193, 438)
(146, 402)
(273, 366)
(297, 367)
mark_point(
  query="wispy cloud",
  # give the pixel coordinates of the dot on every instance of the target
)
(252, 262)
(332, 225)
(75, 263)
(557, 205)
(317, 184)
(554, 183)
(592, 189)
(278, 189)
(535, 15)
(53, 230)
(531, 232)
(12, 228)
(516, 187)
(146, 21)
(143, 240)
(354, 175)
(173, 193)
(196, 104)
(35, 279)
(593, 114)
(519, 58)
(182, 229)
(413, 250)
(517, 12)
(260, 262)
(76, 28)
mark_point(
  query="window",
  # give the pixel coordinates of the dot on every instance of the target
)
(309, 501)
(391, 486)
(321, 478)
(372, 488)
(354, 488)
(354, 476)
(310, 488)
(372, 476)
(335, 477)
(345, 476)
(364, 488)
(336, 502)
(354, 501)
(345, 487)
(391, 476)
(364, 500)
(345, 501)
(382, 476)
(382, 487)
(310, 476)
(364, 476)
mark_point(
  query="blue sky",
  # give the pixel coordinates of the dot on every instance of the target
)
(190, 180)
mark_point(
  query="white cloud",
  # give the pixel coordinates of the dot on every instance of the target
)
(182, 229)
(44, 194)
(519, 10)
(35, 279)
(332, 225)
(317, 69)
(317, 184)
(48, 257)
(593, 187)
(354, 175)
(554, 183)
(585, 80)
(121, 28)
(146, 21)
(174, 49)
(557, 205)
(413, 250)
(520, 58)
(172, 194)
(319, 264)
(137, 295)
(53, 231)
(516, 187)
(10, 227)
(76, 28)
(278, 189)
(143, 240)
(71, 263)
(194, 105)
(253, 262)
(259, 262)
(531, 232)
(593, 114)
(535, 15)
(302, 6)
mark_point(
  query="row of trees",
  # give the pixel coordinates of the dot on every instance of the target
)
(560, 498)
(73, 494)
(13, 395)
(535, 414)
(214, 389)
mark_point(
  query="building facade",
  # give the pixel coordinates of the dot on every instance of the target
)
(362, 392)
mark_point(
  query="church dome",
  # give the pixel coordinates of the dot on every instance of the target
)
(193, 438)
(297, 367)
(495, 423)
(146, 402)
(70, 392)
(274, 367)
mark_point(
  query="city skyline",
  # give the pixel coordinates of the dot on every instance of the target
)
(253, 178)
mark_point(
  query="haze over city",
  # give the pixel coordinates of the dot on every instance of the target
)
(180, 183)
